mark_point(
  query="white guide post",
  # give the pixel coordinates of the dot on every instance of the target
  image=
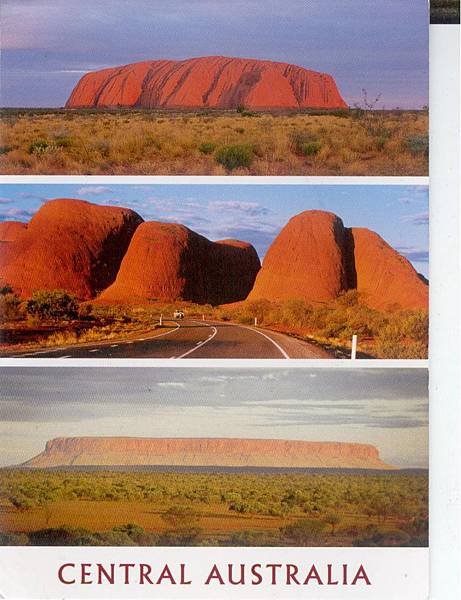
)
(354, 347)
(161, 320)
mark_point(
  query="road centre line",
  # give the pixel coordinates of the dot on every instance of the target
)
(215, 331)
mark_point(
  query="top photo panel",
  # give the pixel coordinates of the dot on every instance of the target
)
(249, 87)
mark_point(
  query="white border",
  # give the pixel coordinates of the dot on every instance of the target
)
(207, 180)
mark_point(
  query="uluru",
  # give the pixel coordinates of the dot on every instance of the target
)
(207, 82)
(315, 258)
(166, 261)
(199, 452)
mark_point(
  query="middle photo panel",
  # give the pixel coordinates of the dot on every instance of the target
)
(215, 271)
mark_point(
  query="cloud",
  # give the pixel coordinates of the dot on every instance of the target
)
(414, 254)
(95, 190)
(421, 218)
(237, 207)
(16, 214)
(6, 200)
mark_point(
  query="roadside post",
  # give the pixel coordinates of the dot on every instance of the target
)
(354, 347)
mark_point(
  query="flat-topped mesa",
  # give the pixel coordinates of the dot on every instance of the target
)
(207, 82)
(315, 258)
(68, 244)
(168, 261)
(190, 452)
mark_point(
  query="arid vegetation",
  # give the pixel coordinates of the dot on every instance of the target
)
(238, 509)
(343, 142)
(444, 11)
(394, 334)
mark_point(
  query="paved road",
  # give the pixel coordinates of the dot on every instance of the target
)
(191, 339)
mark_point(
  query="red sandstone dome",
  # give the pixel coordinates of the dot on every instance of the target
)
(167, 261)
(384, 277)
(68, 244)
(220, 452)
(315, 258)
(11, 230)
(207, 82)
(306, 260)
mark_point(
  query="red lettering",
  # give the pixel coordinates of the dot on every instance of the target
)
(313, 574)
(61, 573)
(255, 572)
(361, 574)
(166, 574)
(127, 567)
(183, 575)
(144, 572)
(230, 570)
(273, 567)
(214, 574)
(102, 571)
(330, 576)
(85, 572)
(292, 570)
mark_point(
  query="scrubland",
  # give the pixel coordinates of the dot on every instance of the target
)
(212, 509)
(444, 11)
(153, 142)
(381, 334)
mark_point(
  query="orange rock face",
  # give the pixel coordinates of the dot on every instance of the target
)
(305, 261)
(384, 277)
(315, 258)
(11, 230)
(68, 244)
(224, 452)
(167, 261)
(212, 81)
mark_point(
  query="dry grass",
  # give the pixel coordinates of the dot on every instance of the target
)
(350, 142)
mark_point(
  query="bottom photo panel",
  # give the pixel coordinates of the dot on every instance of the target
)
(300, 457)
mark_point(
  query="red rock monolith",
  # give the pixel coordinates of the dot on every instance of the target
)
(207, 82)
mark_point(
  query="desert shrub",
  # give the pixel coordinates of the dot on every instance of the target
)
(234, 156)
(303, 531)
(416, 326)
(207, 147)
(418, 144)
(13, 539)
(5, 149)
(376, 537)
(178, 516)
(303, 143)
(311, 148)
(52, 304)
(10, 307)
(62, 536)
(187, 536)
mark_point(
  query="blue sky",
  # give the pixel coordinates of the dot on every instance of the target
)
(384, 407)
(254, 213)
(374, 44)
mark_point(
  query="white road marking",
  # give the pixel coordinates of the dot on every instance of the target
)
(68, 356)
(40, 352)
(114, 345)
(279, 348)
(94, 350)
(200, 344)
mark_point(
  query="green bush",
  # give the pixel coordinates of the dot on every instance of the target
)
(311, 148)
(10, 307)
(207, 147)
(235, 156)
(52, 304)
(303, 144)
(418, 144)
